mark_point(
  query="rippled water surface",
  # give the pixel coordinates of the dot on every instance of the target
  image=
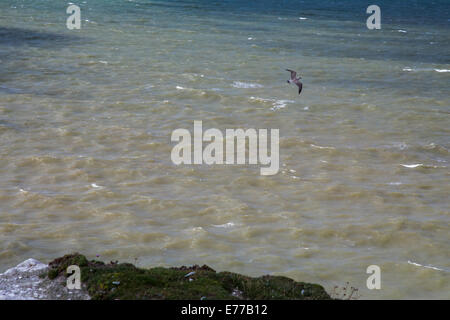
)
(86, 117)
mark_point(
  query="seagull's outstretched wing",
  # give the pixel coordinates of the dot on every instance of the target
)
(293, 74)
(299, 85)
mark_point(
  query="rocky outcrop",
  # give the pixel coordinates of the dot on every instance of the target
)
(124, 281)
(28, 281)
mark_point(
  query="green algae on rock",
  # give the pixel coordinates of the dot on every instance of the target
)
(124, 281)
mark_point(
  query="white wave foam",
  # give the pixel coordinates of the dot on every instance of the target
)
(276, 104)
(302, 18)
(260, 99)
(321, 147)
(429, 267)
(442, 70)
(180, 88)
(409, 69)
(225, 225)
(412, 165)
(402, 31)
(279, 104)
(246, 85)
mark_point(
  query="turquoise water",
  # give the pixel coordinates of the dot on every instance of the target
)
(86, 118)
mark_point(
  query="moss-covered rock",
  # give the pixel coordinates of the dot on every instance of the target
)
(125, 281)
(59, 265)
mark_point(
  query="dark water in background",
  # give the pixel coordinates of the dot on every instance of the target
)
(86, 117)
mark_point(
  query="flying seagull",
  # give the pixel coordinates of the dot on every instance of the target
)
(295, 80)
